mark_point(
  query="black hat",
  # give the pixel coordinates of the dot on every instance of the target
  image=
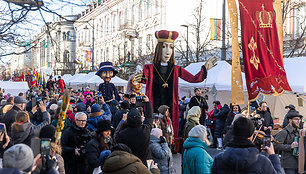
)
(243, 127)
(294, 114)
(48, 131)
(104, 125)
(290, 107)
(106, 66)
(125, 105)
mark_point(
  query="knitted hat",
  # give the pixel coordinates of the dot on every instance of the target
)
(243, 127)
(19, 156)
(103, 155)
(104, 125)
(162, 109)
(156, 132)
(95, 108)
(81, 107)
(53, 107)
(199, 132)
(48, 131)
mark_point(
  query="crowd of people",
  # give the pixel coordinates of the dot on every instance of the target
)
(125, 136)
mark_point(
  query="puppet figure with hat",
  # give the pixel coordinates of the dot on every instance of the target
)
(107, 89)
(161, 77)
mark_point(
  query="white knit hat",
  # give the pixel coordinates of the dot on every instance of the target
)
(198, 131)
(54, 107)
(156, 132)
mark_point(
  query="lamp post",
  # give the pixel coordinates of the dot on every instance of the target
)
(92, 44)
(186, 44)
(223, 48)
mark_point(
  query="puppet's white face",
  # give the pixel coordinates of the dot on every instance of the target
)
(107, 75)
(166, 52)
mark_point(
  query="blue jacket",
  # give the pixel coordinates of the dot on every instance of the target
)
(162, 155)
(195, 157)
(245, 160)
(92, 121)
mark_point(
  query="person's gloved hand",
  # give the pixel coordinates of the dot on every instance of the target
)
(51, 163)
(162, 139)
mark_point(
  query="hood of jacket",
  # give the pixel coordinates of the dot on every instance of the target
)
(195, 111)
(21, 132)
(225, 108)
(239, 158)
(154, 139)
(121, 158)
(134, 118)
(192, 142)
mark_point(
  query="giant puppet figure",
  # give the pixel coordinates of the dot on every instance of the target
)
(162, 76)
(107, 89)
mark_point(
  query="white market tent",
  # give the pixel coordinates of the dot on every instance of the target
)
(66, 77)
(96, 80)
(295, 70)
(75, 77)
(14, 88)
(81, 80)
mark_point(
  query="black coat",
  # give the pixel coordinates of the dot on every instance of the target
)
(108, 90)
(118, 117)
(228, 122)
(137, 136)
(9, 118)
(75, 137)
(268, 120)
(245, 160)
(220, 119)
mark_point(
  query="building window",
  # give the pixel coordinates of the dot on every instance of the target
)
(68, 35)
(64, 36)
(139, 46)
(140, 12)
(114, 23)
(66, 56)
(107, 26)
(148, 43)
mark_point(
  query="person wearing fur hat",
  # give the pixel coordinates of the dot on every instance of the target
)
(161, 153)
(195, 158)
(161, 77)
(166, 123)
(101, 141)
(137, 133)
(193, 119)
(107, 89)
(241, 155)
(98, 114)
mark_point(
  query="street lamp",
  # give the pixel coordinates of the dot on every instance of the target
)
(187, 43)
(93, 44)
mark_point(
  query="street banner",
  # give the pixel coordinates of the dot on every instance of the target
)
(215, 29)
(279, 23)
(237, 85)
(88, 56)
(264, 69)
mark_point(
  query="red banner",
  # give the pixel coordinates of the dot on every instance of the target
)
(262, 59)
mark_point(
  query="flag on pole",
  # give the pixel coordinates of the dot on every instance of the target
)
(215, 29)
(88, 56)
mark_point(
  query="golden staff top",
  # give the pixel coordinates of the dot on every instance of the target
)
(62, 115)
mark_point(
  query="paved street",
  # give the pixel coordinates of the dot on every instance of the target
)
(177, 158)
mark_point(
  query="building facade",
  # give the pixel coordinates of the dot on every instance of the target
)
(54, 47)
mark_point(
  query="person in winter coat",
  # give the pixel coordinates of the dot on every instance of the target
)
(23, 130)
(166, 123)
(73, 142)
(10, 117)
(200, 101)
(96, 115)
(61, 84)
(229, 134)
(195, 158)
(101, 141)
(67, 123)
(220, 116)
(127, 163)
(193, 119)
(161, 153)
(210, 116)
(264, 113)
(124, 108)
(234, 110)
(241, 155)
(286, 143)
(137, 133)
(49, 132)
(291, 111)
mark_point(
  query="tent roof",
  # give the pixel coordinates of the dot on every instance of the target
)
(76, 77)
(219, 76)
(83, 79)
(66, 77)
(14, 88)
(295, 70)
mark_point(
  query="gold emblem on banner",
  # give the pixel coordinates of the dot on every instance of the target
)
(254, 60)
(264, 17)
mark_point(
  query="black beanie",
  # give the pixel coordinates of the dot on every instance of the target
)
(48, 131)
(243, 127)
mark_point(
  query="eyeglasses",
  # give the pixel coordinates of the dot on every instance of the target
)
(83, 121)
(296, 119)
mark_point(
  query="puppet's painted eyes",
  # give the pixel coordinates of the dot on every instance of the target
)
(103, 72)
(111, 73)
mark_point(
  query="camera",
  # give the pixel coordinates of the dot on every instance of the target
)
(258, 122)
(139, 98)
(38, 100)
(2, 128)
(45, 146)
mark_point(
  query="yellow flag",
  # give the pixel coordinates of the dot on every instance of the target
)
(237, 85)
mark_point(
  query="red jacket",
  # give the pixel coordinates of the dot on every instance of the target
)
(177, 72)
(61, 84)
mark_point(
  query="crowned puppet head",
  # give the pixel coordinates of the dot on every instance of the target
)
(164, 51)
(106, 71)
